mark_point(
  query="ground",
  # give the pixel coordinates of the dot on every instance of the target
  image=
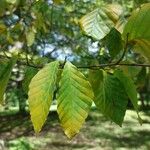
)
(16, 133)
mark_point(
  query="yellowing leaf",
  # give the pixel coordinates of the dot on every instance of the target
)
(114, 11)
(143, 46)
(41, 91)
(5, 72)
(96, 24)
(120, 24)
(138, 31)
(99, 22)
(74, 99)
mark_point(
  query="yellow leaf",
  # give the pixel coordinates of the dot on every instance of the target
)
(41, 90)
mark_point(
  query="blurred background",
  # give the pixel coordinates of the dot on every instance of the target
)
(41, 31)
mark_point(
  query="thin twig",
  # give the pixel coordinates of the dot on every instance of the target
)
(113, 64)
(84, 67)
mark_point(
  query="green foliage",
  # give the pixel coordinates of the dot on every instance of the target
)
(137, 30)
(110, 96)
(139, 17)
(112, 38)
(43, 31)
(20, 143)
(41, 90)
(75, 96)
(29, 74)
(130, 71)
(143, 46)
(30, 37)
(141, 78)
(5, 72)
(99, 22)
(130, 89)
(57, 1)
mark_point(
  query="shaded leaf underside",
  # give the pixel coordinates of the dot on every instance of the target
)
(130, 89)
(110, 97)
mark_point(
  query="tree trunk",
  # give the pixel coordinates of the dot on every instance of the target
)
(20, 93)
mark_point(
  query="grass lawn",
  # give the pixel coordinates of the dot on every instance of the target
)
(16, 133)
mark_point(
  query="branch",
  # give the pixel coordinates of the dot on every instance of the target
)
(23, 63)
(83, 67)
(113, 64)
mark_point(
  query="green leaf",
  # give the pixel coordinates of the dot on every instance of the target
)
(74, 99)
(29, 74)
(30, 37)
(137, 30)
(143, 47)
(11, 1)
(3, 7)
(129, 70)
(114, 42)
(95, 78)
(141, 78)
(138, 24)
(41, 90)
(130, 89)
(98, 23)
(110, 96)
(5, 72)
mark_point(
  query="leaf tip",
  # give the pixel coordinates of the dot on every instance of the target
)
(71, 134)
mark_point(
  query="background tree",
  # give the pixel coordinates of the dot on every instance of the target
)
(35, 33)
